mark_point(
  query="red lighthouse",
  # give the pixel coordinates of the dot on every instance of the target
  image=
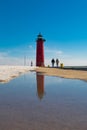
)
(40, 51)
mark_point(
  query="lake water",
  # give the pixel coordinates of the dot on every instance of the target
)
(36, 102)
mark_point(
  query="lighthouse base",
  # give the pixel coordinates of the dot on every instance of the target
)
(40, 64)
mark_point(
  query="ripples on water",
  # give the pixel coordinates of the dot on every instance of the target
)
(35, 102)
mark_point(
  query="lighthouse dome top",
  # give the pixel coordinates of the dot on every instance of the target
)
(40, 37)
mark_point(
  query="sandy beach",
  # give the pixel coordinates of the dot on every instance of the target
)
(9, 72)
(64, 73)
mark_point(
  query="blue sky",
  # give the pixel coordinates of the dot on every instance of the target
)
(63, 23)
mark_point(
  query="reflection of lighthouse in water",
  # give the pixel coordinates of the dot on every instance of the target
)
(40, 85)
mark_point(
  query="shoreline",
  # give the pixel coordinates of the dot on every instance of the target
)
(7, 73)
(63, 73)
